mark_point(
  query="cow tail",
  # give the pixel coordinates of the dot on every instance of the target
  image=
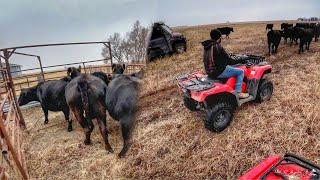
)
(83, 89)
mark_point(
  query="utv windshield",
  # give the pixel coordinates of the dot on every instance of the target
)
(165, 27)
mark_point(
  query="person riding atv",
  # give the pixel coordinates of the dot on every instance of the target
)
(218, 63)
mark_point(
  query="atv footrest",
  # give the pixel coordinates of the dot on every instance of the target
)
(241, 101)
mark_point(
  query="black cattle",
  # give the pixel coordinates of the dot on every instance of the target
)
(286, 25)
(121, 101)
(269, 26)
(118, 68)
(274, 38)
(85, 96)
(312, 25)
(287, 33)
(302, 25)
(226, 31)
(51, 96)
(305, 36)
(73, 72)
(316, 32)
(295, 34)
(106, 78)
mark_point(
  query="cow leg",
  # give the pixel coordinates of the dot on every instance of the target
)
(126, 129)
(273, 48)
(88, 130)
(45, 111)
(104, 132)
(269, 48)
(66, 113)
(84, 124)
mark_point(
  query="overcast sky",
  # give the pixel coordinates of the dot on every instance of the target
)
(24, 22)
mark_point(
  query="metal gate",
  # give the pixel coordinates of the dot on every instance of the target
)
(12, 123)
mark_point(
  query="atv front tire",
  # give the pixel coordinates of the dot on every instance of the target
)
(179, 48)
(219, 116)
(265, 90)
(190, 103)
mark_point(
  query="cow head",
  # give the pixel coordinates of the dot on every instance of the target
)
(27, 95)
(232, 29)
(74, 72)
(118, 68)
(103, 76)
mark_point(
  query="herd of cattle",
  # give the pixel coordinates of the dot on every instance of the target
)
(89, 96)
(304, 32)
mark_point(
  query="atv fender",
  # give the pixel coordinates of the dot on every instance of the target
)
(222, 97)
(257, 72)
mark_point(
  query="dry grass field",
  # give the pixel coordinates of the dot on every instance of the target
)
(170, 142)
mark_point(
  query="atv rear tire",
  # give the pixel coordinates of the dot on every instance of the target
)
(265, 90)
(219, 116)
(179, 48)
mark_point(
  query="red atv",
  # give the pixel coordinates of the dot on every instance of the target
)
(279, 168)
(218, 97)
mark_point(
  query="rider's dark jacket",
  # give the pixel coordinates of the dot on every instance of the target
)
(215, 58)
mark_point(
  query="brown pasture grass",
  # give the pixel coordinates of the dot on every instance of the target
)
(170, 142)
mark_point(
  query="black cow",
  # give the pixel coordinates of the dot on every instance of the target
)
(106, 78)
(274, 38)
(302, 25)
(226, 31)
(287, 33)
(305, 36)
(74, 72)
(85, 96)
(295, 34)
(269, 26)
(118, 68)
(51, 96)
(121, 101)
(286, 25)
(316, 32)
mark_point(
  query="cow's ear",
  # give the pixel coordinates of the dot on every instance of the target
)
(113, 66)
(123, 66)
(69, 71)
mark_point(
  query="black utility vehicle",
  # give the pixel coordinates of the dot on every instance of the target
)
(163, 41)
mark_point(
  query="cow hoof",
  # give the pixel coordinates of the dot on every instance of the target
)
(87, 142)
(109, 149)
(46, 122)
(121, 154)
(69, 129)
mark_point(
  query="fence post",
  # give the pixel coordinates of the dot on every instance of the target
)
(11, 86)
(84, 67)
(39, 59)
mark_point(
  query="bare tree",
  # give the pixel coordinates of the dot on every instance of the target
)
(137, 41)
(131, 48)
(116, 49)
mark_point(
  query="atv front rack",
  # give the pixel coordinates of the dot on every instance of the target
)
(193, 83)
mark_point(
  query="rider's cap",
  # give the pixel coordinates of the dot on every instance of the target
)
(215, 34)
